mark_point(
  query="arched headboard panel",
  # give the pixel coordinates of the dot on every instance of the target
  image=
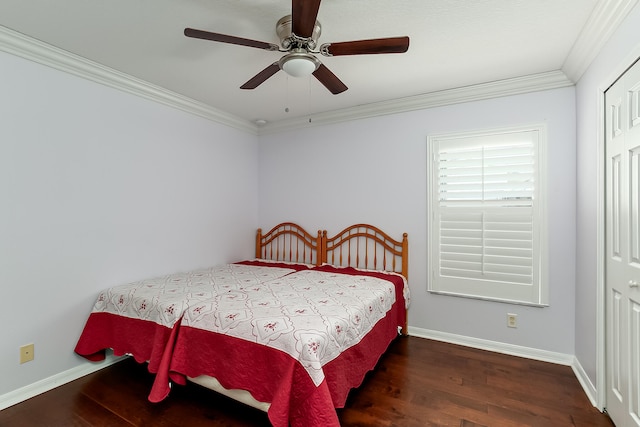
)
(290, 243)
(366, 246)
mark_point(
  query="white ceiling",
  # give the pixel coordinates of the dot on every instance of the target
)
(454, 43)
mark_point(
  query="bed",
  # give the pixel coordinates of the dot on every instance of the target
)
(290, 332)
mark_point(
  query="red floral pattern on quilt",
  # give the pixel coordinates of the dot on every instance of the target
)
(310, 315)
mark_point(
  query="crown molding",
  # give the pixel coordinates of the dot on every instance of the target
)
(604, 20)
(34, 50)
(507, 87)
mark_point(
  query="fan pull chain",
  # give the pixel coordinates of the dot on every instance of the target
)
(309, 98)
(286, 96)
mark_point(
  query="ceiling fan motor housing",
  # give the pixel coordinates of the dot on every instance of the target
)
(288, 40)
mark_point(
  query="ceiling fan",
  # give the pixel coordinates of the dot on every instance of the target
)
(298, 35)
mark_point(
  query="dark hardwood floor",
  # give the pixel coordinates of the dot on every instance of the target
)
(418, 382)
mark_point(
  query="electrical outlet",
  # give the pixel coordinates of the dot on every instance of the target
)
(512, 320)
(26, 353)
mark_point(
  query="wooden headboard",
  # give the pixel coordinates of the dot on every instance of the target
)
(360, 245)
(368, 247)
(290, 243)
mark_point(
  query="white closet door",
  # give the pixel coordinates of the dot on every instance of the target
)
(623, 248)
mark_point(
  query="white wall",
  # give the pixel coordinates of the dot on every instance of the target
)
(99, 188)
(374, 170)
(619, 53)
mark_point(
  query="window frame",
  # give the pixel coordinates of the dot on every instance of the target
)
(537, 294)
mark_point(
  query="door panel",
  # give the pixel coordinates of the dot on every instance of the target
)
(622, 150)
(634, 389)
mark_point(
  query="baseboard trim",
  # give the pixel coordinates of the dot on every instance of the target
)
(588, 387)
(42, 386)
(498, 347)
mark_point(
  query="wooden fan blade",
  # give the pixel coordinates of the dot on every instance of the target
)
(329, 80)
(366, 47)
(261, 77)
(224, 38)
(303, 16)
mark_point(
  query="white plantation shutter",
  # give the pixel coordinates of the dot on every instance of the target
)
(487, 245)
(485, 220)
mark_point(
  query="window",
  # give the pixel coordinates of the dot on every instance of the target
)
(486, 215)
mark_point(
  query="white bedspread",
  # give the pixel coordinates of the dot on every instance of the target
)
(311, 315)
(163, 300)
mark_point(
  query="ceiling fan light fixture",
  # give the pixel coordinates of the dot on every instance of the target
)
(299, 64)
(299, 67)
